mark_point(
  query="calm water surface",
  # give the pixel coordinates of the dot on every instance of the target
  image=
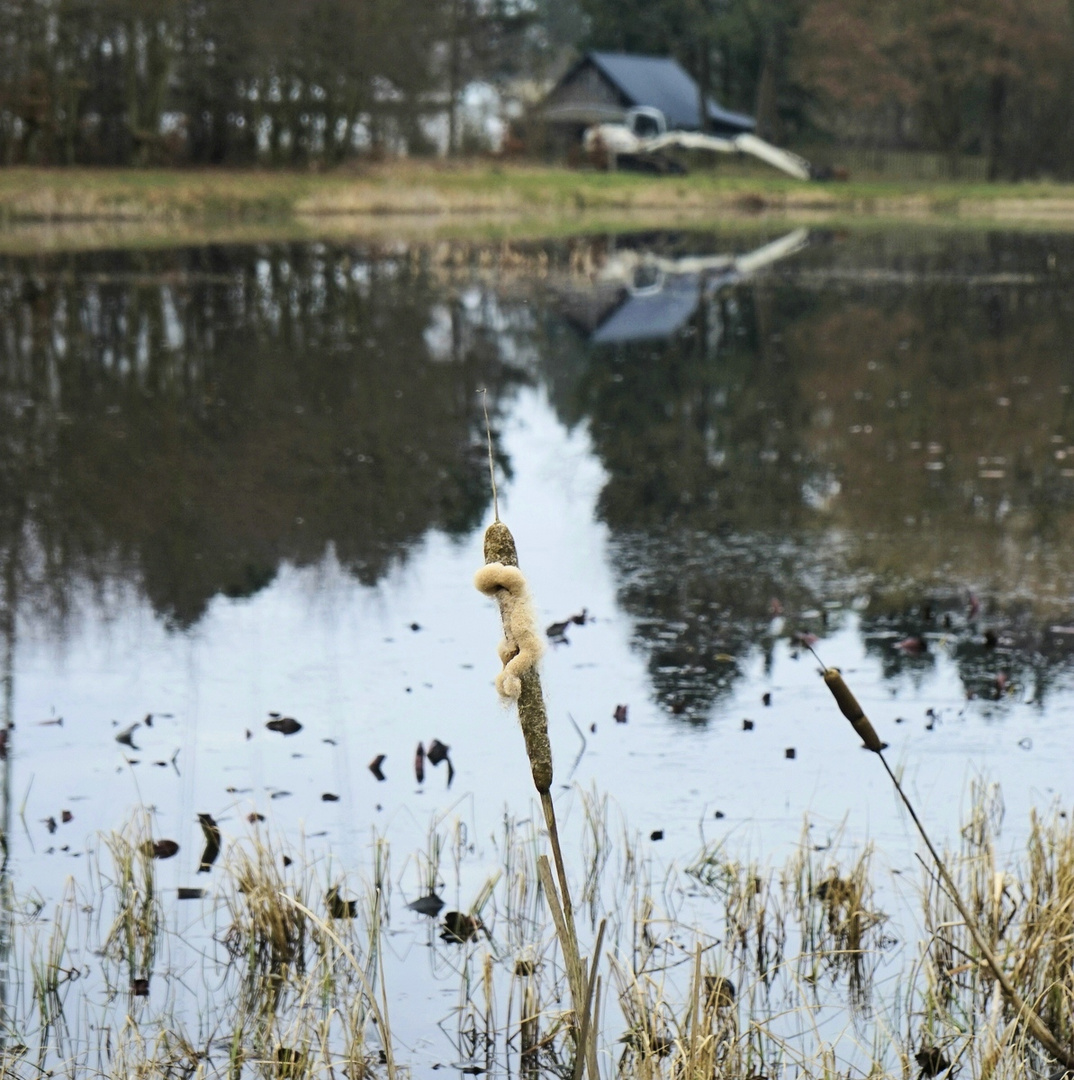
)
(243, 481)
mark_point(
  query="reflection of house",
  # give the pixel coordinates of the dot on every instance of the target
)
(646, 315)
(641, 296)
(602, 86)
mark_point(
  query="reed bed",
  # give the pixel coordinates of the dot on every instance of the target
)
(1038, 1009)
(719, 968)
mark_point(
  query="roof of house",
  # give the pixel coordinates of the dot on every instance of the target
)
(662, 83)
(649, 315)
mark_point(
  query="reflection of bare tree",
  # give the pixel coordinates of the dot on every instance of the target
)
(887, 418)
(187, 422)
(190, 420)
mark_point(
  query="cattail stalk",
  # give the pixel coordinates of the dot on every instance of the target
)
(1040, 1031)
(1033, 1020)
(519, 681)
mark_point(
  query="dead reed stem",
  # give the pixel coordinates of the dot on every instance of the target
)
(695, 992)
(380, 1015)
(588, 1028)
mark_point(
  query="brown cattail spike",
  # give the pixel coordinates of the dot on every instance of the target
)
(849, 707)
(500, 545)
(534, 720)
(501, 579)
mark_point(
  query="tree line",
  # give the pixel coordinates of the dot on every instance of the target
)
(139, 82)
(214, 82)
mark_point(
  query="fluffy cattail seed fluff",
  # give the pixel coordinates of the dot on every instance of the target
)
(520, 649)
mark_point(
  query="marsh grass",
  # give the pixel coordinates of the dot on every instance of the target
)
(1044, 947)
(837, 915)
(425, 188)
(267, 933)
(134, 936)
(75, 209)
(52, 970)
(726, 968)
(309, 991)
(1026, 914)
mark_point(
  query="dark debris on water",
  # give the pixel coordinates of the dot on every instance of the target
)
(285, 725)
(458, 927)
(211, 832)
(160, 849)
(430, 905)
(339, 908)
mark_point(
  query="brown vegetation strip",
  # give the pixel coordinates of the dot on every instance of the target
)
(28, 194)
(43, 209)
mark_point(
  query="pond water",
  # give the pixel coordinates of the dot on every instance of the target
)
(247, 481)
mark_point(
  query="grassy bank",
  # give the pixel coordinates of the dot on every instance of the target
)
(85, 207)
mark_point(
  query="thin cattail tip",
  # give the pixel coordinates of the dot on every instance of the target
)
(492, 461)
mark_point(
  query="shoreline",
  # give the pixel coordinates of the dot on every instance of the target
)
(71, 209)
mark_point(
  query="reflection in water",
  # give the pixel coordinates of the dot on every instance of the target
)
(655, 296)
(189, 420)
(878, 421)
(865, 420)
(712, 535)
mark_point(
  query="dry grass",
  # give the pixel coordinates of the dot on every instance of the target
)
(725, 970)
(728, 969)
(43, 209)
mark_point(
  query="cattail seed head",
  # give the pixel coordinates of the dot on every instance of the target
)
(522, 645)
(849, 707)
(521, 648)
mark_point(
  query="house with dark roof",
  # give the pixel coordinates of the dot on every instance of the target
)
(602, 86)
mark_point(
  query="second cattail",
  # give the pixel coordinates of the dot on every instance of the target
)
(849, 707)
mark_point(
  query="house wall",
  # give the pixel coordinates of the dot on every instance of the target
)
(586, 97)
